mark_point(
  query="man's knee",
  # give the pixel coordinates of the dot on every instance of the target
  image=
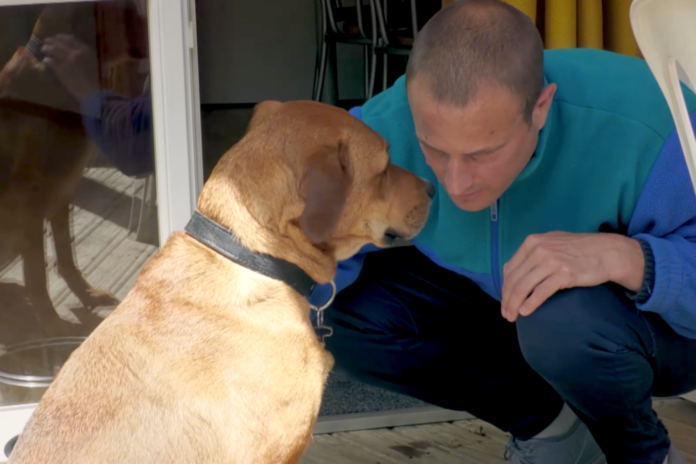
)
(370, 309)
(576, 332)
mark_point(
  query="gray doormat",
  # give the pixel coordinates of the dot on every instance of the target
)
(347, 396)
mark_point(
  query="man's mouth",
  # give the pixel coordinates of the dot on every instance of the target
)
(468, 195)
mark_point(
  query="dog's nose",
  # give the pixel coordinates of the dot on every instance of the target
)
(430, 189)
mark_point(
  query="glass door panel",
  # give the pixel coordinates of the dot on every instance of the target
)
(89, 171)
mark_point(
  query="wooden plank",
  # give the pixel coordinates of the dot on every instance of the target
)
(460, 443)
(683, 436)
(391, 446)
(433, 443)
(339, 452)
(677, 410)
(417, 443)
(483, 429)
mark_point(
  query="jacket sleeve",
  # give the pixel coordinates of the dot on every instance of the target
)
(665, 219)
(347, 271)
(122, 129)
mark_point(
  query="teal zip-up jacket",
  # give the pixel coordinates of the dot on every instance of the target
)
(608, 158)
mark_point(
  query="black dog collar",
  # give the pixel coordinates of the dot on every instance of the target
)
(220, 239)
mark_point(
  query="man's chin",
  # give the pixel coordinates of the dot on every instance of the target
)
(473, 205)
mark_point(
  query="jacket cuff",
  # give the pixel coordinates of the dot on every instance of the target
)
(646, 288)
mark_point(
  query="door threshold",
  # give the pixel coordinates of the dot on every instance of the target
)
(386, 419)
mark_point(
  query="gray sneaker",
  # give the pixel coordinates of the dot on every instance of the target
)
(577, 446)
(674, 457)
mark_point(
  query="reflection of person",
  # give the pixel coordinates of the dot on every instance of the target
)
(538, 156)
(121, 127)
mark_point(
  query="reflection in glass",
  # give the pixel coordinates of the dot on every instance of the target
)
(77, 203)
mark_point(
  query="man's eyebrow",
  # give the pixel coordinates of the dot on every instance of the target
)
(485, 151)
(482, 151)
(423, 142)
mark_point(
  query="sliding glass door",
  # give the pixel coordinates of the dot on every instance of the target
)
(99, 163)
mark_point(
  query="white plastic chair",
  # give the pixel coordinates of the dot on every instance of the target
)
(665, 31)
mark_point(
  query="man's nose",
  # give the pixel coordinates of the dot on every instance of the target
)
(458, 179)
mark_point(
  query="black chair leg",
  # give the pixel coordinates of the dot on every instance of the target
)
(321, 73)
(334, 69)
(373, 72)
(366, 60)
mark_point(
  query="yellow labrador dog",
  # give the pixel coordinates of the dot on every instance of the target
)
(211, 360)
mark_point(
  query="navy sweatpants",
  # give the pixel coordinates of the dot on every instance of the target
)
(412, 327)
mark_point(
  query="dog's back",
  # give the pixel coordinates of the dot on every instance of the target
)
(189, 374)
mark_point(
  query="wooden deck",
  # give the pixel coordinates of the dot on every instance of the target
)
(463, 442)
(108, 254)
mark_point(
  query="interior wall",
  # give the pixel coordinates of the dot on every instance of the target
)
(254, 51)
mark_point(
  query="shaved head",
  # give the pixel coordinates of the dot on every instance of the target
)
(474, 43)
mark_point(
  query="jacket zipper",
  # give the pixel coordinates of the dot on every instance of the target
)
(494, 246)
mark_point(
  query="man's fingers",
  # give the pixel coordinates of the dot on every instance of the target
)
(55, 50)
(541, 293)
(60, 46)
(518, 273)
(524, 284)
(60, 39)
(528, 247)
(68, 39)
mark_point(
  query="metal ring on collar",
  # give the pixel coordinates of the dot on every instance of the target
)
(331, 300)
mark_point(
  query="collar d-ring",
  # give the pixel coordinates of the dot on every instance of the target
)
(331, 300)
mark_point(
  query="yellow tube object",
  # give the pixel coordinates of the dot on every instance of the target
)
(590, 33)
(529, 7)
(617, 28)
(561, 24)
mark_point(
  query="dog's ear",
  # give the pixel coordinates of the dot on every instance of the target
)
(261, 111)
(324, 187)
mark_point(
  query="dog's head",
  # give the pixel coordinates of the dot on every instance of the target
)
(319, 176)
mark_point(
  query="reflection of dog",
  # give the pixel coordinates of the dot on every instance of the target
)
(206, 360)
(43, 152)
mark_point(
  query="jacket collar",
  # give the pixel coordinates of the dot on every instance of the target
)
(539, 153)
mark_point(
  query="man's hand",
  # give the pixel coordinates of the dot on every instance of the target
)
(547, 263)
(74, 63)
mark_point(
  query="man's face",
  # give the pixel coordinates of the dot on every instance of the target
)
(477, 151)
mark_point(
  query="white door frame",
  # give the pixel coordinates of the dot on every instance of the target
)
(176, 120)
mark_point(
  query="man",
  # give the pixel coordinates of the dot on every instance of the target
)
(119, 126)
(551, 292)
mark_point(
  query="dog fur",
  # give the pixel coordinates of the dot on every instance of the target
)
(206, 361)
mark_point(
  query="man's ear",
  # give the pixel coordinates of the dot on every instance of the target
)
(543, 104)
(324, 187)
